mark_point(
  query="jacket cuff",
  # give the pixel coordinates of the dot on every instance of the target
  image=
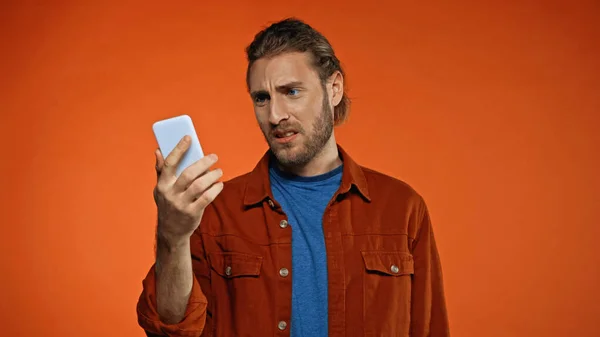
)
(193, 321)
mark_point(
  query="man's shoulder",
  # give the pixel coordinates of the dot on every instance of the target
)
(377, 181)
(379, 184)
(383, 184)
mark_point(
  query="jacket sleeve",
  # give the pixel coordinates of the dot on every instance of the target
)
(194, 319)
(428, 311)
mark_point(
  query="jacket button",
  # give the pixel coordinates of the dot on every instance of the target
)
(395, 269)
(228, 271)
(282, 325)
(271, 204)
(284, 272)
(283, 224)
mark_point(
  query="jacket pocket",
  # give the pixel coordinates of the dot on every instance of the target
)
(237, 292)
(389, 263)
(387, 285)
(233, 264)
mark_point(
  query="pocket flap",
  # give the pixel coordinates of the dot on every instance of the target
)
(389, 262)
(233, 264)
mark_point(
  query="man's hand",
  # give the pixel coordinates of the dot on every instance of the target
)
(181, 200)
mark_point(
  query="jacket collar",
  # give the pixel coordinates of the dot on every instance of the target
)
(258, 184)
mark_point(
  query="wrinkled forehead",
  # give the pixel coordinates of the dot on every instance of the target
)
(269, 73)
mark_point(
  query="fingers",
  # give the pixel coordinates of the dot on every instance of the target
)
(202, 184)
(208, 196)
(170, 163)
(194, 171)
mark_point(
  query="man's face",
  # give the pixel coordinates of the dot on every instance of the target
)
(291, 106)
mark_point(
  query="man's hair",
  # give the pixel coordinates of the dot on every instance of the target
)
(294, 35)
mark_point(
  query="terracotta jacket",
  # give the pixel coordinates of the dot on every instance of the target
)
(385, 277)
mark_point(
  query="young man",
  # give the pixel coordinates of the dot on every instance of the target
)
(309, 243)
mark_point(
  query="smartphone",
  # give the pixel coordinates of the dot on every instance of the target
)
(168, 132)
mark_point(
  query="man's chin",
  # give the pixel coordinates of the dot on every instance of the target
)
(284, 150)
(288, 155)
(277, 147)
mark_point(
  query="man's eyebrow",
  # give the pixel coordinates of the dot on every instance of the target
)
(290, 85)
(279, 88)
(256, 93)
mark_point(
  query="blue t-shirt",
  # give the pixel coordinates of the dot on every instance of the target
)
(304, 199)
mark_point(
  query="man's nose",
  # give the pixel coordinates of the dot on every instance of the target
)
(277, 111)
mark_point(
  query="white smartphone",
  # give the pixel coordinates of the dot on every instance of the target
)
(168, 132)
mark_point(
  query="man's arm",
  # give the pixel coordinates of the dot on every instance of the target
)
(167, 307)
(429, 314)
(174, 279)
(172, 303)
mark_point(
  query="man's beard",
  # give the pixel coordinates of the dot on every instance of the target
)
(312, 144)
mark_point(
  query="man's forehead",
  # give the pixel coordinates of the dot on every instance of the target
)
(281, 70)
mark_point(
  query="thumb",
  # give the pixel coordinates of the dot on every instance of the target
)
(159, 162)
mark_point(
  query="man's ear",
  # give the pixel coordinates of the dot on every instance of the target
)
(336, 81)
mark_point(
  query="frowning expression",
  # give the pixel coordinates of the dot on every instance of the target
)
(292, 107)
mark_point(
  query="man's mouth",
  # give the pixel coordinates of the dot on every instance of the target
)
(284, 134)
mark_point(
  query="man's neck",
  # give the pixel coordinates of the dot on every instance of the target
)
(325, 161)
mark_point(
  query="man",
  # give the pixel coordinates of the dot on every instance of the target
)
(309, 243)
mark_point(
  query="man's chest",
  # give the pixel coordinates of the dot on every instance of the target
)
(368, 261)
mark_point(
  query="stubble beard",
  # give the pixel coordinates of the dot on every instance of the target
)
(312, 144)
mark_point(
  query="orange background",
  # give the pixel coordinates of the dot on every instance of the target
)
(491, 111)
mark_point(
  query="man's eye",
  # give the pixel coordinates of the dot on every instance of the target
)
(260, 98)
(294, 92)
